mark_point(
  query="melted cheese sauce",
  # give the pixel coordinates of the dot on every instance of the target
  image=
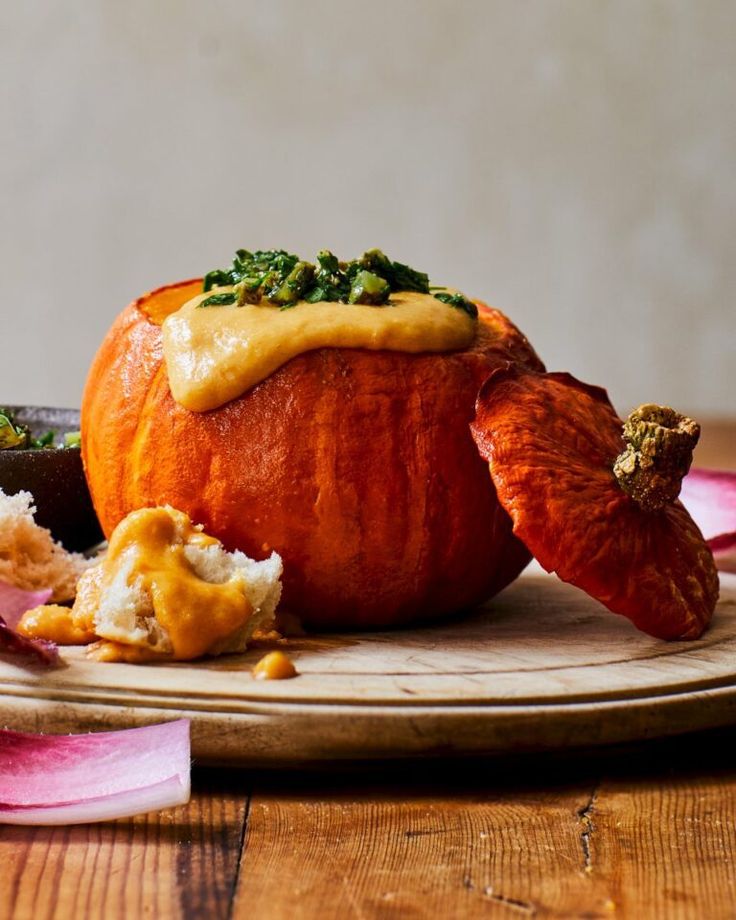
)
(55, 623)
(214, 354)
(274, 666)
(187, 617)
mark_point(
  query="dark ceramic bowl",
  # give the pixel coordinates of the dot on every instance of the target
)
(55, 478)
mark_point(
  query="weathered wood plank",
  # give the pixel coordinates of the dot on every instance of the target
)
(666, 845)
(492, 850)
(181, 863)
(654, 838)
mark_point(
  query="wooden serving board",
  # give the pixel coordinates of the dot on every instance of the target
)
(541, 666)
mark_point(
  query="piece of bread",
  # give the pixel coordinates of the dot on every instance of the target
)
(262, 587)
(29, 556)
(121, 600)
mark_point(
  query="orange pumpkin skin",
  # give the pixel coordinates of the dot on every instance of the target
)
(358, 467)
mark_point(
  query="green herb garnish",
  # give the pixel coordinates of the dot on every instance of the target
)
(46, 440)
(398, 275)
(460, 302)
(18, 437)
(219, 300)
(282, 279)
(12, 436)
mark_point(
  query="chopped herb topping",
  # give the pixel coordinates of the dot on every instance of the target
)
(219, 300)
(283, 279)
(459, 301)
(46, 440)
(12, 436)
(18, 437)
(290, 290)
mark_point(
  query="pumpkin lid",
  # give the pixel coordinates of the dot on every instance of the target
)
(597, 504)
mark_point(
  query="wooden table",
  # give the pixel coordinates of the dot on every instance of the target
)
(642, 832)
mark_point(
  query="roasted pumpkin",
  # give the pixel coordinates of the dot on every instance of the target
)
(358, 467)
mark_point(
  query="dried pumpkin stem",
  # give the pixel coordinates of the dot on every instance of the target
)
(658, 454)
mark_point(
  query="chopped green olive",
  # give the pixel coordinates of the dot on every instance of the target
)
(290, 290)
(375, 261)
(369, 289)
(248, 291)
(328, 262)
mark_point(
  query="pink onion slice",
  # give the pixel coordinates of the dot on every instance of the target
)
(77, 779)
(169, 793)
(15, 601)
(27, 651)
(710, 497)
(13, 604)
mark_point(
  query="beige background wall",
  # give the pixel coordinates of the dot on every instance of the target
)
(572, 162)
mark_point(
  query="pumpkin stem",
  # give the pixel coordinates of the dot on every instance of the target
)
(658, 454)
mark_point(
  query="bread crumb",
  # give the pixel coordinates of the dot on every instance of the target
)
(30, 558)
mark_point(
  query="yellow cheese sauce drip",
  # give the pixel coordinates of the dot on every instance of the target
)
(274, 666)
(55, 623)
(214, 354)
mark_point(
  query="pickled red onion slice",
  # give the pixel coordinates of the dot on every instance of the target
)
(78, 779)
(26, 651)
(710, 497)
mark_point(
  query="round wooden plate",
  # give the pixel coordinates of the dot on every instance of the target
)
(542, 666)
